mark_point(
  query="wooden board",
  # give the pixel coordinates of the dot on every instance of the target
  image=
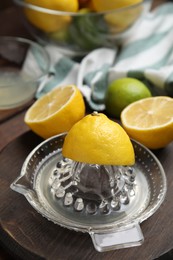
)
(29, 234)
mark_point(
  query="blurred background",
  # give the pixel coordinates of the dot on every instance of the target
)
(14, 27)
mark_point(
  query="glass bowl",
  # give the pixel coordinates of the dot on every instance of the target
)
(23, 64)
(79, 33)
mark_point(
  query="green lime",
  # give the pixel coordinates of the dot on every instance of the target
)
(122, 92)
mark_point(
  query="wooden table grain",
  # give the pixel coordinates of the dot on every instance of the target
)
(24, 232)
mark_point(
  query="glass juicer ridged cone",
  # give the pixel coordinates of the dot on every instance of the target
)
(92, 188)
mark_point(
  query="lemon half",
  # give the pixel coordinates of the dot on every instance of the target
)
(56, 112)
(150, 121)
(96, 139)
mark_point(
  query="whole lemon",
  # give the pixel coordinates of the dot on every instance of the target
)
(50, 22)
(122, 92)
(103, 5)
(122, 20)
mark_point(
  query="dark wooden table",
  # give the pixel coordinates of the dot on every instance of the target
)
(25, 234)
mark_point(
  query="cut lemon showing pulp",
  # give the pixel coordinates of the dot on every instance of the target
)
(95, 139)
(150, 121)
(56, 112)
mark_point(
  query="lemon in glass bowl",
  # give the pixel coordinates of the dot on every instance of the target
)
(77, 27)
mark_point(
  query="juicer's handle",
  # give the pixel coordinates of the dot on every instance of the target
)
(128, 236)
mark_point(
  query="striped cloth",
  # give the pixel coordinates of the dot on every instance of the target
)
(147, 54)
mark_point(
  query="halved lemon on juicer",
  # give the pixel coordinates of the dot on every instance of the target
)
(96, 139)
(101, 157)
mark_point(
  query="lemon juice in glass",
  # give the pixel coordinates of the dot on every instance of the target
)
(23, 64)
(15, 90)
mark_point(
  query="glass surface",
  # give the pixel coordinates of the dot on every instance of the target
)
(79, 33)
(23, 64)
(91, 188)
(35, 184)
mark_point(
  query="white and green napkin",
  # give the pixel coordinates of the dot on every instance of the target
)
(147, 54)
